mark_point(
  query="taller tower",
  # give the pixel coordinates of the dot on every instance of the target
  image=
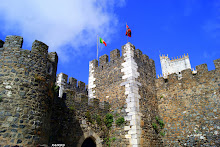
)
(174, 65)
(127, 82)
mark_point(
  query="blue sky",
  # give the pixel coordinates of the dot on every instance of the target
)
(70, 28)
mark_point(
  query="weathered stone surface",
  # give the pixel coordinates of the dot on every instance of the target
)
(32, 113)
(20, 77)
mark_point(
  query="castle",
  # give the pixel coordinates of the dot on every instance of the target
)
(124, 103)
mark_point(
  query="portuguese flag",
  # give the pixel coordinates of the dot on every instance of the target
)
(102, 41)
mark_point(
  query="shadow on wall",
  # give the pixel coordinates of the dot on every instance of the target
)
(65, 128)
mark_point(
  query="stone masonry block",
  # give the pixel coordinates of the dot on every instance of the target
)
(39, 47)
(73, 81)
(160, 82)
(145, 58)
(103, 60)
(217, 63)
(81, 85)
(138, 53)
(104, 105)
(125, 46)
(13, 41)
(94, 63)
(202, 68)
(187, 73)
(52, 56)
(172, 78)
(94, 102)
(115, 54)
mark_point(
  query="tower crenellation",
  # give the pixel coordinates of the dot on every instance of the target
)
(26, 85)
(71, 85)
(13, 41)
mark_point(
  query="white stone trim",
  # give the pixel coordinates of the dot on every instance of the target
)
(130, 70)
(91, 85)
(61, 82)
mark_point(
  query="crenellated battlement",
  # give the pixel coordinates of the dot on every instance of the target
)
(71, 85)
(13, 41)
(39, 48)
(14, 44)
(28, 76)
(174, 58)
(115, 58)
(201, 73)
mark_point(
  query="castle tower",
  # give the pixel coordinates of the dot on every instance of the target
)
(127, 83)
(26, 79)
(174, 65)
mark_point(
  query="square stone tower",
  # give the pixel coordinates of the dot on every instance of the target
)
(127, 82)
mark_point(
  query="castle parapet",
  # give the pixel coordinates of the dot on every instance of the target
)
(187, 74)
(69, 86)
(217, 63)
(94, 63)
(1, 43)
(191, 76)
(103, 59)
(73, 82)
(172, 78)
(152, 63)
(160, 83)
(39, 48)
(145, 58)
(114, 55)
(13, 41)
(138, 53)
(81, 85)
(52, 56)
(201, 69)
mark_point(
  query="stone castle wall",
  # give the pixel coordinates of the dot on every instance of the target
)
(31, 112)
(148, 103)
(190, 107)
(73, 119)
(25, 90)
(122, 82)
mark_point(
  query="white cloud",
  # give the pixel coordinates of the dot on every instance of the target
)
(72, 23)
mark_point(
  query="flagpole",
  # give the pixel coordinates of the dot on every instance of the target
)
(97, 47)
(126, 32)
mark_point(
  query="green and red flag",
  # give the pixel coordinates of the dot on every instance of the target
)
(102, 41)
(128, 31)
